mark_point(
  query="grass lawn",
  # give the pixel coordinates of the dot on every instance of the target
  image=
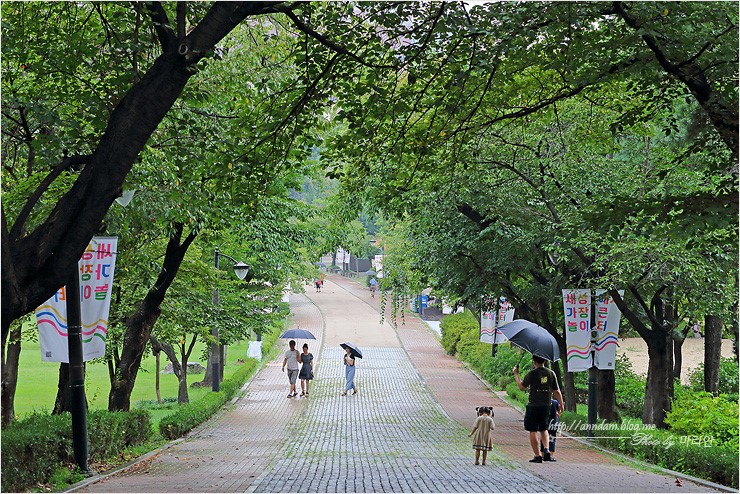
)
(38, 380)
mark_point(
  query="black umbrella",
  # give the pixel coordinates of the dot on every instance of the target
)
(299, 334)
(355, 352)
(532, 338)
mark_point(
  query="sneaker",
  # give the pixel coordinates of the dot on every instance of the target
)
(546, 456)
(536, 459)
(552, 459)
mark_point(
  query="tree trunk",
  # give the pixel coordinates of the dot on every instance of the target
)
(10, 359)
(678, 339)
(712, 352)
(659, 388)
(569, 385)
(139, 325)
(179, 369)
(207, 377)
(607, 399)
(61, 404)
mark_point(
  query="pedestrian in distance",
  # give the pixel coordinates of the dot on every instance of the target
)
(291, 361)
(306, 373)
(482, 428)
(349, 372)
(373, 286)
(552, 428)
(542, 385)
(317, 284)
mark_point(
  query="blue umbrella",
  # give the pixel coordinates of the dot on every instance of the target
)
(299, 334)
(532, 338)
(355, 352)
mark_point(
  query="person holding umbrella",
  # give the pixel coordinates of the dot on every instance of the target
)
(350, 353)
(542, 385)
(291, 360)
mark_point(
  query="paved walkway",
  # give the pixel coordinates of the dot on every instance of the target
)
(405, 431)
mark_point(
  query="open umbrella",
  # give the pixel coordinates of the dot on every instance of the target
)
(532, 338)
(355, 352)
(300, 334)
(370, 273)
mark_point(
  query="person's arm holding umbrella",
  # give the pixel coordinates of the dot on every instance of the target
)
(519, 379)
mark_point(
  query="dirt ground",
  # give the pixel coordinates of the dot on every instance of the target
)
(692, 351)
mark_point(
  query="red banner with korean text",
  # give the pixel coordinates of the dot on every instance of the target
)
(96, 268)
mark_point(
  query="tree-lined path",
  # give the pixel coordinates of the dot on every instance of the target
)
(405, 431)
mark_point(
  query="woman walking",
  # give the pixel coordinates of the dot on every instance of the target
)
(306, 373)
(349, 372)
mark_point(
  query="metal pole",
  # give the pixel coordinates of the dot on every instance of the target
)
(495, 326)
(593, 377)
(77, 405)
(215, 352)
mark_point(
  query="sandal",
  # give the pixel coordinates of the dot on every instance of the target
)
(303, 394)
(343, 393)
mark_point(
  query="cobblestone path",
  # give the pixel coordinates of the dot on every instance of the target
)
(391, 437)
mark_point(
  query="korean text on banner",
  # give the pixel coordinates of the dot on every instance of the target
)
(607, 328)
(577, 308)
(96, 284)
(490, 322)
(487, 326)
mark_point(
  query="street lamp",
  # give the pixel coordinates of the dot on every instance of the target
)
(241, 270)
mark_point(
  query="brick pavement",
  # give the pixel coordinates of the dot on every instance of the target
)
(579, 468)
(405, 431)
(227, 453)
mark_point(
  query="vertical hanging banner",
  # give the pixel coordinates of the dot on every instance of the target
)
(491, 321)
(487, 326)
(96, 285)
(577, 308)
(505, 315)
(607, 328)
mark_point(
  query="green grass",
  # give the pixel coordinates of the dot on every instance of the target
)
(37, 381)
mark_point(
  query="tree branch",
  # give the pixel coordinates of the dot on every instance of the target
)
(20, 222)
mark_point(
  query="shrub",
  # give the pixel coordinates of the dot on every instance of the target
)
(33, 449)
(718, 463)
(516, 394)
(728, 371)
(701, 414)
(628, 387)
(453, 326)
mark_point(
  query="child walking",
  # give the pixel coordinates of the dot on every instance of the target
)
(482, 429)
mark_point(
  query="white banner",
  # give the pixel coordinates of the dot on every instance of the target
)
(490, 322)
(607, 327)
(577, 309)
(96, 285)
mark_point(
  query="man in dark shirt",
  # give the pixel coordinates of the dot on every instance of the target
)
(542, 385)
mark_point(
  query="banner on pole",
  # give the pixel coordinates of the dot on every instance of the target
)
(607, 330)
(96, 285)
(577, 309)
(491, 321)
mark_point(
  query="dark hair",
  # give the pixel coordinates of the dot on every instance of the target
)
(538, 359)
(291, 343)
(305, 345)
(482, 410)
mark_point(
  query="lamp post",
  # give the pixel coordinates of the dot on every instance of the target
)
(241, 270)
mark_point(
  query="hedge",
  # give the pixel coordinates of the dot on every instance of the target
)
(717, 463)
(34, 448)
(190, 415)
